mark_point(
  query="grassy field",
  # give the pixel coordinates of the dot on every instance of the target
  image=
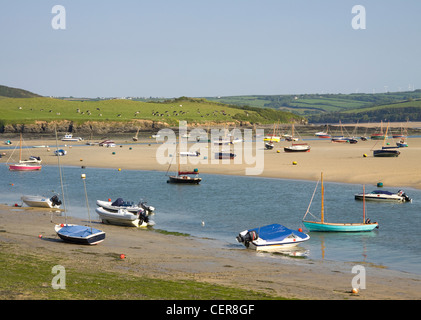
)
(31, 277)
(308, 104)
(29, 110)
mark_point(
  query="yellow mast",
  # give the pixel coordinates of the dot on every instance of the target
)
(322, 209)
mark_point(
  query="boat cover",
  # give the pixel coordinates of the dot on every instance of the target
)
(118, 202)
(78, 231)
(276, 232)
(382, 192)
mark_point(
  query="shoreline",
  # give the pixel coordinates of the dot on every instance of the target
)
(179, 258)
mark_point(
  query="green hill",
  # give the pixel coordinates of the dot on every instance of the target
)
(395, 112)
(316, 104)
(9, 92)
(29, 110)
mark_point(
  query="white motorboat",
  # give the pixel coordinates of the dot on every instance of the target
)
(41, 201)
(298, 147)
(383, 195)
(271, 238)
(69, 137)
(123, 217)
(130, 206)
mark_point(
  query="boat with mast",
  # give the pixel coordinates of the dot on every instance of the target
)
(321, 225)
(184, 177)
(79, 234)
(379, 135)
(273, 137)
(73, 233)
(323, 134)
(387, 151)
(33, 164)
(296, 147)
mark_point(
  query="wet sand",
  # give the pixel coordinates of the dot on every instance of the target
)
(173, 257)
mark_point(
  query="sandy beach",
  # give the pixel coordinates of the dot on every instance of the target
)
(339, 162)
(174, 257)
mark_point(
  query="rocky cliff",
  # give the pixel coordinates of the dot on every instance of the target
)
(90, 127)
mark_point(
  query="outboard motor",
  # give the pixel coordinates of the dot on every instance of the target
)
(143, 217)
(247, 238)
(149, 209)
(55, 200)
(404, 195)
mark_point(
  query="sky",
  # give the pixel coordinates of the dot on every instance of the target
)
(203, 48)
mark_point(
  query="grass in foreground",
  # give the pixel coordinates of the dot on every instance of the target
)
(27, 276)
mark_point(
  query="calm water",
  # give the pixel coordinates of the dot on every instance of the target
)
(230, 204)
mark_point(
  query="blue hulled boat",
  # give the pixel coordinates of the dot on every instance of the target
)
(321, 225)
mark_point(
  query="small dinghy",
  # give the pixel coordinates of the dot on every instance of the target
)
(123, 217)
(271, 237)
(42, 202)
(78, 234)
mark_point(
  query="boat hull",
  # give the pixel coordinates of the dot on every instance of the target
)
(38, 201)
(24, 167)
(272, 139)
(297, 148)
(77, 234)
(121, 218)
(378, 137)
(386, 153)
(184, 180)
(271, 238)
(339, 227)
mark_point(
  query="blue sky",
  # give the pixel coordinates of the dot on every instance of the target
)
(166, 48)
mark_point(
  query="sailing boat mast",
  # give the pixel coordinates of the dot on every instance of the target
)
(363, 203)
(20, 149)
(323, 197)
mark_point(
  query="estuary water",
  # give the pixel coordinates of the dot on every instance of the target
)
(222, 206)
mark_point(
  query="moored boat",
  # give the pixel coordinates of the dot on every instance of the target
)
(123, 217)
(387, 152)
(33, 164)
(42, 202)
(323, 226)
(69, 137)
(384, 196)
(298, 147)
(78, 234)
(24, 167)
(130, 206)
(271, 237)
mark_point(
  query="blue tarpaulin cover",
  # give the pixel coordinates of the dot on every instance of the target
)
(78, 231)
(276, 232)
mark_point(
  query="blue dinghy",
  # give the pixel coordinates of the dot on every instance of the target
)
(79, 234)
(271, 237)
